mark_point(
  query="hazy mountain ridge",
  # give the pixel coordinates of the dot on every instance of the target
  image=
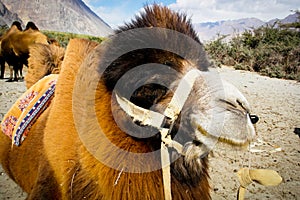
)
(59, 15)
(76, 17)
(210, 30)
(6, 17)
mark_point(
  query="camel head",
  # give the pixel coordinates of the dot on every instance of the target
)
(163, 92)
(197, 110)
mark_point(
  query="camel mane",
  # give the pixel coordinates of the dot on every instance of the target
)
(164, 19)
(160, 16)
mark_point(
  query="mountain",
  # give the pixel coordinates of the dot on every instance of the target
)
(210, 30)
(6, 17)
(75, 17)
(289, 19)
(59, 15)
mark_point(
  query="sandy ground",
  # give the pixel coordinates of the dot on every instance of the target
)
(275, 101)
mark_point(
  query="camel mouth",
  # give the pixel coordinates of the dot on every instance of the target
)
(235, 143)
(227, 119)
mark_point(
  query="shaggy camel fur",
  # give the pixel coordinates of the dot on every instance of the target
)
(56, 162)
(15, 46)
(43, 60)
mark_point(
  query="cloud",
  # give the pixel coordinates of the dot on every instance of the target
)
(216, 10)
(113, 16)
(116, 12)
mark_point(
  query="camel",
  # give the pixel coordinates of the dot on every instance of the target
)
(14, 27)
(129, 119)
(15, 46)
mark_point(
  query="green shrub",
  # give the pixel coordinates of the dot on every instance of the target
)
(3, 29)
(64, 38)
(268, 50)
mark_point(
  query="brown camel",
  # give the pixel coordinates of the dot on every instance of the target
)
(16, 26)
(101, 140)
(15, 46)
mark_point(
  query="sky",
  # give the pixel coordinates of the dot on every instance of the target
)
(116, 12)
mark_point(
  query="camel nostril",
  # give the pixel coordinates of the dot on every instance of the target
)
(196, 142)
(254, 119)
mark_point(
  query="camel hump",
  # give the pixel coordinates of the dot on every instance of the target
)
(76, 52)
(15, 28)
(31, 25)
(17, 24)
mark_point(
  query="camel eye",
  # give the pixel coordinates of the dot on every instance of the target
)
(254, 119)
(169, 63)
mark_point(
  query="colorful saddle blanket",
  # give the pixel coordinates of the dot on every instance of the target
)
(22, 115)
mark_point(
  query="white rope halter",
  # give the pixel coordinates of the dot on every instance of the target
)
(157, 120)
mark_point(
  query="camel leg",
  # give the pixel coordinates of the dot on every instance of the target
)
(11, 73)
(16, 72)
(21, 72)
(2, 63)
